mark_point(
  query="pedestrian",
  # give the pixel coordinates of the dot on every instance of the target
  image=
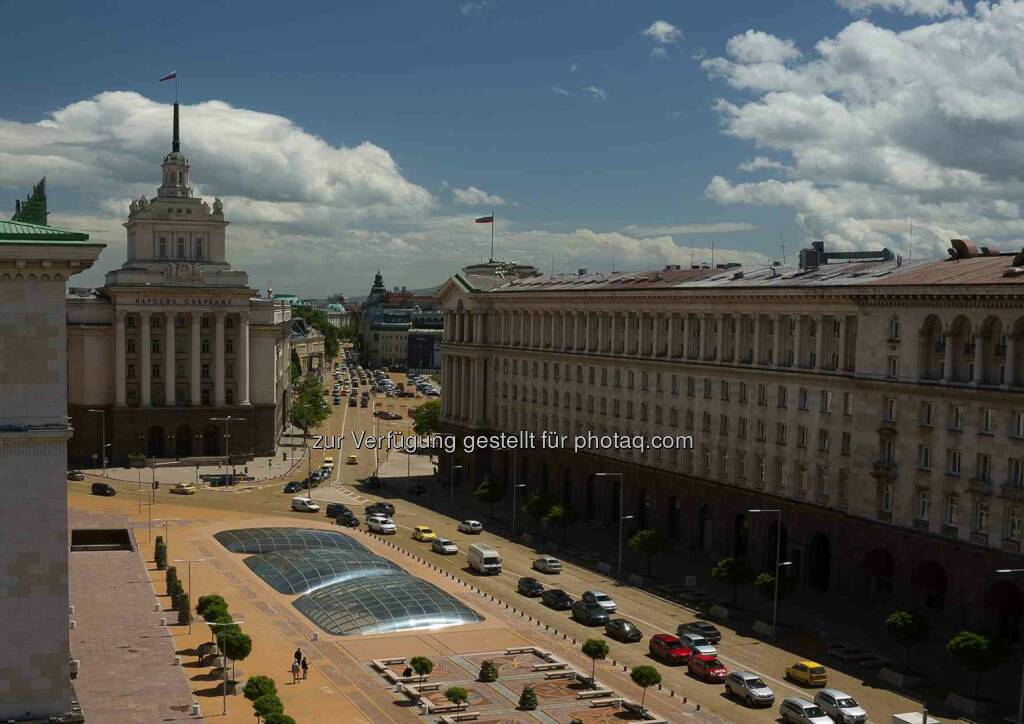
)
(295, 671)
(305, 667)
(407, 672)
(298, 655)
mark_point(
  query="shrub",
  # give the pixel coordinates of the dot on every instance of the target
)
(528, 699)
(176, 593)
(171, 577)
(732, 571)
(237, 645)
(456, 695)
(160, 553)
(184, 610)
(278, 719)
(266, 705)
(977, 653)
(488, 671)
(421, 665)
(258, 686)
(216, 613)
(210, 600)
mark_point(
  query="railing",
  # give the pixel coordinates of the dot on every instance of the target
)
(979, 537)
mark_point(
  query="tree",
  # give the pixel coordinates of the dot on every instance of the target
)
(648, 542)
(160, 554)
(977, 653)
(488, 671)
(644, 676)
(595, 650)
(908, 629)
(171, 577)
(184, 610)
(237, 645)
(562, 516)
(426, 419)
(422, 666)
(211, 599)
(266, 705)
(316, 319)
(310, 408)
(537, 504)
(276, 718)
(258, 686)
(456, 695)
(490, 491)
(216, 613)
(732, 571)
(176, 594)
(528, 699)
(295, 367)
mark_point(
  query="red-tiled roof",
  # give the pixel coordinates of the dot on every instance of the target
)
(974, 270)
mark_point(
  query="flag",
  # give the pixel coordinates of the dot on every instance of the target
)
(489, 219)
(170, 76)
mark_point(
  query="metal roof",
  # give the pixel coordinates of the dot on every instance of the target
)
(300, 571)
(265, 540)
(20, 231)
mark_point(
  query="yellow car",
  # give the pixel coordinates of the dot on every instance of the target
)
(352, 460)
(328, 462)
(808, 673)
(423, 533)
(184, 489)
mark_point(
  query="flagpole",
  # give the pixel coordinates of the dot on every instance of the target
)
(492, 234)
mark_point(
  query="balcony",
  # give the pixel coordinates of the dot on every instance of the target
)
(884, 469)
(921, 524)
(1011, 545)
(979, 537)
(950, 531)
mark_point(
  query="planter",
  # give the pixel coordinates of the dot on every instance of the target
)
(900, 679)
(970, 706)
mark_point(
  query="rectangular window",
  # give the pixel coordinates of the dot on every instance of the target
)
(826, 401)
(952, 514)
(707, 388)
(723, 425)
(893, 368)
(629, 409)
(889, 412)
(762, 430)
(691, 385)
(163, 247)
(707, 422)
(824, 440)
(130, 345)
(801, 436)
(131, 371)
(1015, 473)
(1015, 524)
(888, 452)
(845, 440)
(886, 501)
(762, 394)
(675, 384)
(615, 408)
(743, 391)
(927, 411)
(988, 420)
(923, 507)
(689, 419)
(924, 457)
(154, 345)
(952, 461)
(741, 428)
(156, 371)
(782, 396)
(206, 372)
(1017, 430)
(847, 403)
(981, 516)
(780, 433)
(956, 417)
(803, 398)
(983, 467)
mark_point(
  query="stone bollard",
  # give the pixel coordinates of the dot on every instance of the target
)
(163, 620)
(177, 661)
(156, 607)
(71, 610)
(195, 708)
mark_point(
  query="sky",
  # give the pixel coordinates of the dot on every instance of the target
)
(346, 136)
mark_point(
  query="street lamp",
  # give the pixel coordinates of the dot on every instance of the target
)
(227, 439)
(618, 569)
(778, 561)
(103, 438)
(165, 521)
(189, 561)
(224, 657)
(1020, 704)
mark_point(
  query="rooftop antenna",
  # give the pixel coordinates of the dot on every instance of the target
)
(910, 254)
(613, 257)
(782, 243)
(691, 252)
(712, 253)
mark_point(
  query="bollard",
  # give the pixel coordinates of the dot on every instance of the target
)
(71, 610)
(156, 607)
(195, 708)
(672, 693)
(177, 661)
(659, 687)
(698, 707)
(686, 700)
(163, 620)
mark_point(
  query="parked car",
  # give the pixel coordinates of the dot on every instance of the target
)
(808, 673)
(472, 527)
(707, 667)
(352, 460)
(444, 546)
(699, 644)
(335, 509)
(184, 489)
(801, 711)
(293, 487)
(589, 614)
(749, 688)
(701, 628)
(622, 630)
(669, 649)
(547, 564)
(557, 599)
(304, 505)
(75, 475)
(352, 402)
(601, 599)
(842, 707)
(381, 508)
(529, 587)
(381, 524)
(347, 518)
(102, 489)
(424, 533)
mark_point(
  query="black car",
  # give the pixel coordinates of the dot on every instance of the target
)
(293, 487)
(700, 628)
(381, 508)
(352, 402)
(529, 587)
(622, 630)
(333, 510)
(557, 599)
(75, 475)
(347, 519)
(102, 489)
(589, 614)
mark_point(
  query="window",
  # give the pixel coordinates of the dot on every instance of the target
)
(843, 486)
(707, 422)
(988, 420)
(156, 371)
(924, 457)
(886, 501)
(723, 425)
(675, 384)
(691, 386)
(674, 417)
(205, 346)
(130, 345)
(844, 444)
(229, 322)
(130, 320)
(956, 417)
(762, 430)
(643, 412)
(179, 345)
(894, 328)
(847, 403)
(131, 371)
(181, 248)
(803, 398)
(927, 410)
(204, 322)
(952, 461)
(707, 388)
(801, 436)
(952, 514)
(154, 345)
(1015, 473)
(1015, 523)
(206, 372)
(615, 408)
(821, 484)
(163, 247)
(782, 396)
(981, 516)
(725, 390)
(741, 428)
(179, 371)
(199, 247)
(743, 391)
(893, 368)
(629, 409)
(759, 468)
(762, 394)
(983, 467)
(889, 412)
(826, 401)
(205, 395)
(923, 507)
(780, 433)
(888, 452)
(741, 467)
(229, 396)
(229, 346)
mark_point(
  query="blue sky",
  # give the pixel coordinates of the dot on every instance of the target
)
(594, 133)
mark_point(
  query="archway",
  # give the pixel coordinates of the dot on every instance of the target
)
(741, 536)
(768, 553)
(930, 352)
(819, 564)
(705, 528)
(183, 441)
(1005, 604)
(155, 442)
(673, 517)
(930, 582)
(879, 566)
(211, 440)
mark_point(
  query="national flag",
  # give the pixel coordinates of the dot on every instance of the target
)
(170, 76)
(489, 219)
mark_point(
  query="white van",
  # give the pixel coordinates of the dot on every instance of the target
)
(304, 505)
(484, 559)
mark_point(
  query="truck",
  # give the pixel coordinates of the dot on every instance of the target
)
(484, 559)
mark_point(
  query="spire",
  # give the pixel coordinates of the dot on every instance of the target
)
(176, 144)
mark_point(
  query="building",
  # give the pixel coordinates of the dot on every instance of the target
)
(878, 404)
(307, 346)
(36, 262)
(175, 338)
(399, 329)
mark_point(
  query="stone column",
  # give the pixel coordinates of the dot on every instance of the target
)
(687, 334)
(844, 331)
(479, 391)
(218, 360)
(120, 392)
(670, 352)
(797, 334)
(243, 358)
(702, 350)
(599, 317)
(480, 319)
(758, 338)
(169, 367)
(979, 358)
(947, 368)
(195, 361)
(627, 341)
(658, 334)
(822, 341)
(723, 320)
(144, 362)
(1011, 355)
(466, 387)
(777, 341)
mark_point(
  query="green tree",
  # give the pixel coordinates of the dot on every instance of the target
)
(259, 685)
(184, 610)
(537, 504)
(734, 572)
(908, 629)
(528, 699)
(160, 554)
(421, 665)
(237, 646)
(316, 319)
(295, 367)
(562, 516)
(277, 718)
(171, 578)
(596, 650)
(488, 671)
(490, 491)
(177, 593)
(456, 695)
(216, 613)
(426, 419)
(211, 599)
(644, 676)
(977, 653)
(266, 705)
(309, 408)
(648, 542)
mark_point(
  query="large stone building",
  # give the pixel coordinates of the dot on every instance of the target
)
(878, 404)
(35, 263)
(176, 337)
(399, 329)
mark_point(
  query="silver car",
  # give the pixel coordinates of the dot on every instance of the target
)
(801, 711)
(842, 707)
(601, 599)
(699, 644)
(749, 688)
(547, 564)
(444, 547)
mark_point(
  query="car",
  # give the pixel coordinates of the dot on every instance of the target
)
(669, 649)
(808, 673)
(337, 400)
(293, 487)
(601, 599)
(304, 505)
(472, 527)
(316, 476)
(102, 489)
(589, 614)
(547, 564)
(352, 402)
(699, 644)
(75, 475)
(840, 706)
(444, 546)
(333, 510)
(622, 630)
(363, 402)
(424, 533)
(347, 518)
(749, 688)
(529, 587)
(707, 667)
(352, 460)
(557, 599)
(381, 508)
(701, 628)
(184, 489)
(381, 524)
(328, 463)
(801, 711)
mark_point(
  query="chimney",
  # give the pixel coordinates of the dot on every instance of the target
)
(582, 271)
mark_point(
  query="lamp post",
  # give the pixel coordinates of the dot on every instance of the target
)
(227, 439)
(618, 568)
(1020, 704)
(103, 438)
(165, 521)
(224, 658)
(778, 561)
(189, 561)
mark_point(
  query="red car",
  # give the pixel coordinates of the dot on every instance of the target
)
(708, 668)
(669, 649)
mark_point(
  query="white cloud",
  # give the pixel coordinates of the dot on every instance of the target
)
(879, 126)
(474, 6)
(755, 46)
(719, 227)
(660, 53)
(472, 196)
(558, 90)
(663, 32)
(595, 92)
(929, 8)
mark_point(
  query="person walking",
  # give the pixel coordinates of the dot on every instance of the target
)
(295, 671)
(298, 655)
(305, 667)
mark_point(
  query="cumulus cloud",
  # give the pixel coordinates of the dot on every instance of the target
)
(659, 52)
(879, 126)
(595, 92)
(762, 163)
(929, 8)
(472, 196)
(663, 32)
